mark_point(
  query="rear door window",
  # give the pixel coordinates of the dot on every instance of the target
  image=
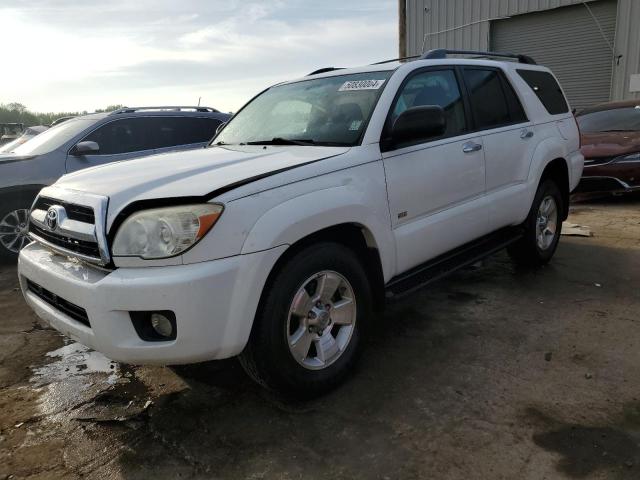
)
(516, 112)
(544, 85)
(175, 131)
(486, 96)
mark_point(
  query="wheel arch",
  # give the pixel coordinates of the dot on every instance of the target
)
(352, 235)
(558, 170)
(26, 192)
(550, 161)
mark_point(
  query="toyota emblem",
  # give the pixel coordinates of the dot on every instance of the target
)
(52, 218)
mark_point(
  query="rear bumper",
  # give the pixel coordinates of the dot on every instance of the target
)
(214, 303)
(576, 165)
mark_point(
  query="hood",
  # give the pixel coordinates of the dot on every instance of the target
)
(609, 144)
(190, 173)
(12, 157)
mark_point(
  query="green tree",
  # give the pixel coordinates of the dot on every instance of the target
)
(15, 112)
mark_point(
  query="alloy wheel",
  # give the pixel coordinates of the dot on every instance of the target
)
(546, 222)
(13, 230)
(321, 320)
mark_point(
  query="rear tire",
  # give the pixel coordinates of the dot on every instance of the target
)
(306, 334)
(541, 228)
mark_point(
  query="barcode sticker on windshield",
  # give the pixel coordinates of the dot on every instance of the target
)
(361, 85)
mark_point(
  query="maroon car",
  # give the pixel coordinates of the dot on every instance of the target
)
(611, 147)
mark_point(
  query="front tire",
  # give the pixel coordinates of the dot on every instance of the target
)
(306, 334)
(14, 220)
(542, 227)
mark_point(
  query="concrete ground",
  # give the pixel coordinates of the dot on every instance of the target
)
(493, 373)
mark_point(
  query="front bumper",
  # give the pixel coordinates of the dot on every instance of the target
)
(214, 303)
(597, 184)
(610, 177)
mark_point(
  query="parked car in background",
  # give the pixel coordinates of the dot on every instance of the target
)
(611, 147)
(87, 141)
(60, 120)
(27, 134)
(10, 131)
(319, 198)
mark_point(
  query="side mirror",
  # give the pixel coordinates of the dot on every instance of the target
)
(85, 148)
(220, 127)
(419, 123)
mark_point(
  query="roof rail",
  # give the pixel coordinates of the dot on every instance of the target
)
(441, 53)
(165, 108)
(324, 70)
(396, 59)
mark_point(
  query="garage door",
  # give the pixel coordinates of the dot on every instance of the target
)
(569, 41)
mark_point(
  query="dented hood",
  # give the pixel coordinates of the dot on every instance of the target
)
(199, 172)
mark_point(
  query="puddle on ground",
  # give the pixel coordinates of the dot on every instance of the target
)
(76, 375)
(587, 449)
(72, 360)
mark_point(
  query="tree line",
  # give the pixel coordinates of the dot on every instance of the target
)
(18, 113)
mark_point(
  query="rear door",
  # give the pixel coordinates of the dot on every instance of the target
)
(120, 139)
(508, 138)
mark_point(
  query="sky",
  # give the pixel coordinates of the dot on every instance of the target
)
(75, 55)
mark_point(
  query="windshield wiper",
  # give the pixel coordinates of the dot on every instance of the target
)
(282, 141)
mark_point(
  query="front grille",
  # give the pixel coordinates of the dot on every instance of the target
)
(82, 247)
(74, 212)
(79, 314)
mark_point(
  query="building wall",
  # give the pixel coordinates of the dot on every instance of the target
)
(628, 45)
(465, 24)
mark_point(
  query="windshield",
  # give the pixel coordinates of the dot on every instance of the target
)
(323, 111)
(56, 136)
(618, 119)
(9, 147)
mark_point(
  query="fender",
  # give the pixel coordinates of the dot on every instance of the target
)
(27, 192)
(298, 217)
(546, 151)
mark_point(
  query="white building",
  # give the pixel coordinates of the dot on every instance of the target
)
(592, 46)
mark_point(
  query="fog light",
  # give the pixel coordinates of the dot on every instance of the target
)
(162, 325)
(158, 326)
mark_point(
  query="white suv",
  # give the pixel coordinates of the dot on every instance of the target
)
(320, 198)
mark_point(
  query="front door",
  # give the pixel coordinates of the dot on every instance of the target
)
(121, 139)
(435, 188)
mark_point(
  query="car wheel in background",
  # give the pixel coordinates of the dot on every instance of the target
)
(14, 221)
(306, 333)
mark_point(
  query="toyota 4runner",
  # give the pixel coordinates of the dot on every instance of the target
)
(319, 199)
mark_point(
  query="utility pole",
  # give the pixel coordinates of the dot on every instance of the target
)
(402, 28)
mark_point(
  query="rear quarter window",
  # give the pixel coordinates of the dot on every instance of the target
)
(546, 88)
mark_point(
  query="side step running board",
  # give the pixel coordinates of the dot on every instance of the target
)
(449, 262)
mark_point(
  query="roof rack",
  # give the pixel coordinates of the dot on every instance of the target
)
(396, 59)
(441, 53)
(324, 70)
(165, 108)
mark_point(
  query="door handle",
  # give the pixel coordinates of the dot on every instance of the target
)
(470, 147)
(524, 134)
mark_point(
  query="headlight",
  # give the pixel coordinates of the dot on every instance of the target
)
(632, 158)
(165, 232)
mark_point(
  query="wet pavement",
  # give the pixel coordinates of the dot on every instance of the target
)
(493, 373)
